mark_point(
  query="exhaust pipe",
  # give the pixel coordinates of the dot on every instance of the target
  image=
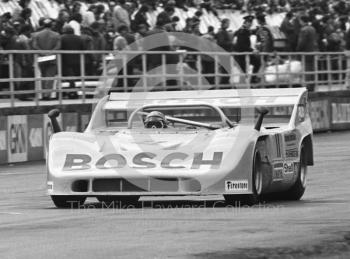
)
(53, 114)
(259, 122)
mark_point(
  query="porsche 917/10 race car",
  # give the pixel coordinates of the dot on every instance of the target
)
(242, 144)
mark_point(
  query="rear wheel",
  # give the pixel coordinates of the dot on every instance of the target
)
(68, 201)
(257, 181)
(118, 201)
(298, 189)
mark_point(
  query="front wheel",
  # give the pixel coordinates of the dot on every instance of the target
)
(68, 201)
(257, 182)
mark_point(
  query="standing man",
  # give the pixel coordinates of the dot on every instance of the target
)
(307, 42)
(121, 15)
(224, 38)
(71, 62)
(243, 44)
(23, 63)
(47, 39)
(75, 23)
(287, 27)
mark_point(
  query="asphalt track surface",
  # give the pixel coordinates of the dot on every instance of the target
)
(318, 226)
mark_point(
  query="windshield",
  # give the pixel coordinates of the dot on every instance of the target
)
(197, 114)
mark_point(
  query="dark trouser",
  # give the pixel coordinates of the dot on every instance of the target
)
(208, 67)
(48, 69)
(310, 67)
(253, 59)
(21, 71)
(71, 70)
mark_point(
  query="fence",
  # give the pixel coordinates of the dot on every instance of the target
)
(63, 74)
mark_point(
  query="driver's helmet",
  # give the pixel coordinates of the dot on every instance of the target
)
(155, 119)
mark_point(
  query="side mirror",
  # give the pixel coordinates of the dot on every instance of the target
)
(262, 113)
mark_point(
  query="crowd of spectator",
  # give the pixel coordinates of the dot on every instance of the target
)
(309, 25)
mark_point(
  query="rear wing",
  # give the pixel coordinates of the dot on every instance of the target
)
(221, 98)
(232, 98)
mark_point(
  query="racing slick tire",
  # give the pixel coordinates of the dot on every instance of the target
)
(298, 188)
(68, 201)
(118, 201)
(257, 181)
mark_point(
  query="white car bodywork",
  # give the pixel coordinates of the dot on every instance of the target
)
(124, 161)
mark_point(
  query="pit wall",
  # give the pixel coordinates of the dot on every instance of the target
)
(25, 131)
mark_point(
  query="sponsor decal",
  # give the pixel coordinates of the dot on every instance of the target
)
(141, 160)
(277, 174)
(278, 165)
(290, 137)
(2, 140)
(340, 112)
(236, 186)
(288, 168)
(17, 138)
(292, 153)
(290, 140)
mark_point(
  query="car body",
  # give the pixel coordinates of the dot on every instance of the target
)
(217, 142)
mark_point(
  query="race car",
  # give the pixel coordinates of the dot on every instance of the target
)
(244, 144)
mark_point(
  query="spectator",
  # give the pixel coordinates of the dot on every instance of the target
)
(140, 17)
(224, 38)
(243, 44)
(25, 18)
(142, 30)
(336, 43)
(5, 21)
(71, 62)
(307, 42)
(98, 43)
(123, 42)
(23, 63)
(264, 36)
(287, 28)
(89, 16)
(76, 8)
(120, 42)
(165, 15)
(121, 15)
(62, 20)
(208, 63)
(99, 13)
(207, 5)
(174, 21)
(75, 23)
(90, 62)
(155, 60)
(47, 40)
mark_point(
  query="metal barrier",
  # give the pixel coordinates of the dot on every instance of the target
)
(26, 73)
